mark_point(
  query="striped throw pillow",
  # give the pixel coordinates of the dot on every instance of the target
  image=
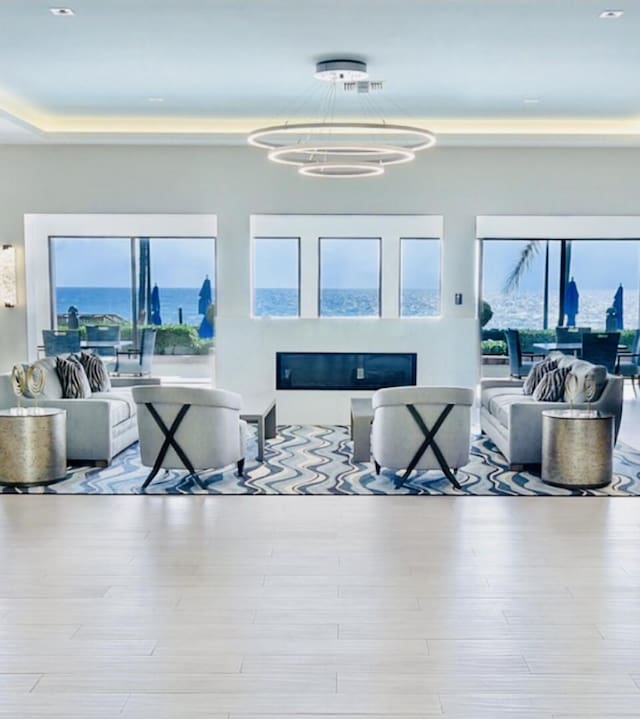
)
(96, 372)
(73, 378)
(536, 373)
(551, 386)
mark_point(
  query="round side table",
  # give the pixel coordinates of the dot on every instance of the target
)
(577, 448)
(33, 445)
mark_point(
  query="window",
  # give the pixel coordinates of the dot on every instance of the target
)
(276, 277)
(110, 280)
(349, 277)
(524, 282)
(419, 277)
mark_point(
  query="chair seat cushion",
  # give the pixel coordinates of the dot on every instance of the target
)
(628, 369)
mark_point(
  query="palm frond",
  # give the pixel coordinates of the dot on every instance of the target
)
(529, 251)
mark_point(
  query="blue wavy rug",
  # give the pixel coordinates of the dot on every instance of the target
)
(316, 460)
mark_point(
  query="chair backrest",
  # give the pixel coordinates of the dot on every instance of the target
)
(104, 333)
(514, 351)
(396, 436)
(635, 345)
(147, 348)
(209, 433)
(601, 348)
(57, 342)
(571, 334)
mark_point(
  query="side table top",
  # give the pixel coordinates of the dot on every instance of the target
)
(21, 412)
(576, 414)
(255, 407)
(361, 407)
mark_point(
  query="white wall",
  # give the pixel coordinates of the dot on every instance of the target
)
(234, 183)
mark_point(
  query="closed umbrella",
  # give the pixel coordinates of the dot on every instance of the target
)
(571, 302)
(155, 306)
(205, 331)
(618, 307)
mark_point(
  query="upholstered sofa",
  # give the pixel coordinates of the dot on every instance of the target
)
(98, 427)
(513, 420)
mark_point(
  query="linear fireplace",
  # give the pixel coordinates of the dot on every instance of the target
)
(344, 370)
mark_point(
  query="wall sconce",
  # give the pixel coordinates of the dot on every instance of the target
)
(8, 275)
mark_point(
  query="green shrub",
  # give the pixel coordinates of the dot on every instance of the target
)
(486, 313)
(494, 347)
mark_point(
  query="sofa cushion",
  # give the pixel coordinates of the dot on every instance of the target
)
(96, 372)
(498, 400)
(551, 386)
(585, 382)
(121, 405)
(536, 373)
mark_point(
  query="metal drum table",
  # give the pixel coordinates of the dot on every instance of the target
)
(33, 445)
(577, 448)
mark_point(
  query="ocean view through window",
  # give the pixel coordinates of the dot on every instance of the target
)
(349, 282)
(113, 280)
(276, 277)
(524, 281)
(419, 277)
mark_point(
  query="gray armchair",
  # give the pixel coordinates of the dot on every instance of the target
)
(421, 428)
(137, 361)
(189, 428)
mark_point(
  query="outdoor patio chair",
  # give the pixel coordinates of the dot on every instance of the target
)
(137, 361)
(570, 334)
(601, 348)
(518, 368)
(58, 342)
(189, 428)
(103, 333)
(421, 428)
(628, 365)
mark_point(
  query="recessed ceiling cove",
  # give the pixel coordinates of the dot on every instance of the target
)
(214, 70)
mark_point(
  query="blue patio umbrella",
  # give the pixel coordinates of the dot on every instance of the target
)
(155, 306)
(571, 302)
(618, 307)
(205, 331)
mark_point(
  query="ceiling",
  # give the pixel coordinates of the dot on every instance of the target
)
(218, 68)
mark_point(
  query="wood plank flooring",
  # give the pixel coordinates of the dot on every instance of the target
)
(319, 607)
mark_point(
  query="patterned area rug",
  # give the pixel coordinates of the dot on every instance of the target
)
(317, 460)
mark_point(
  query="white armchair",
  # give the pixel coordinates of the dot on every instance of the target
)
(421, 428)
(189, 428)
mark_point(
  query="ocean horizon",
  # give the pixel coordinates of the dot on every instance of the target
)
(519, 310)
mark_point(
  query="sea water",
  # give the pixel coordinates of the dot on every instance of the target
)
(518, 310)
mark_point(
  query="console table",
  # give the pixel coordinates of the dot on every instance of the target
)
(262, 412)
(33, 445)
(361, 419)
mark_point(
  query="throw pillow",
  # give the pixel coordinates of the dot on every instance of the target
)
(96, 372)
(536, 373)
(551, 386)
(585, 382)
(73, 378)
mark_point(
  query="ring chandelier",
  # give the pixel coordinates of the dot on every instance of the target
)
(342, 149)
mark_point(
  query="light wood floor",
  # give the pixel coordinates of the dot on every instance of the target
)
(317, 607)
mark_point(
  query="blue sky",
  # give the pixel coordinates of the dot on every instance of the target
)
(184, 262)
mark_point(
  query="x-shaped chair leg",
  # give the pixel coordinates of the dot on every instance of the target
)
(169, 441)
(429, 441)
